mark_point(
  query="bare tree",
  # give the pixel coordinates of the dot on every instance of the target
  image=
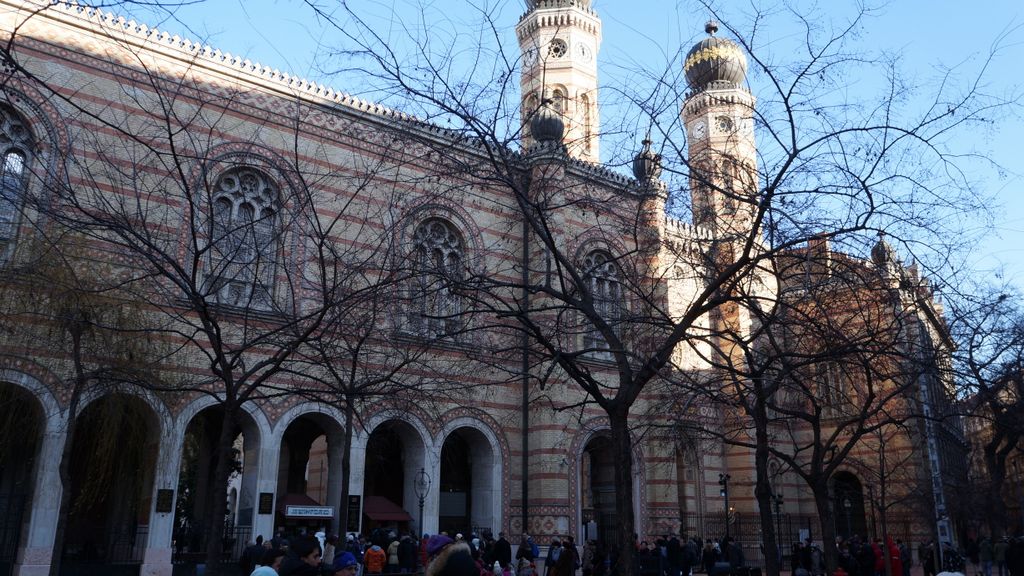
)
(989, 329)
(608, 325)
(229, 212)
(57, 305)
(592, 329)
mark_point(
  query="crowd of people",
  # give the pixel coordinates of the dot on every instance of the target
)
(384, 552)
(1001, 557)
(388, 552)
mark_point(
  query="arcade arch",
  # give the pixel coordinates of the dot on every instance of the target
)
(848, 503)
(113, 462)
(196, 470)
(596, 494)
(21, 432)
(470, 479)
(309, 470)
(395, 453)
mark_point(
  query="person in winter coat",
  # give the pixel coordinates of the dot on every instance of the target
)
(895, 561)
(270, 563)
(589, 557)
(251, 556)
(345, 564)
(985, 556)
(374, 559)
(565, 565)
(709, 557)
(303, 557)
(406, 555)
(553, 553)
(352, 547)
(525, 549)
(876, 549)
(392, 567)
(449, 558)
(502, 553)
(999, 555)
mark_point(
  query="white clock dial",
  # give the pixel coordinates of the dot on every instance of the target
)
(583, 52)
(699, 130)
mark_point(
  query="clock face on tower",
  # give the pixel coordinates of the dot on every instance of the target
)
(583, 52)
(699, 130)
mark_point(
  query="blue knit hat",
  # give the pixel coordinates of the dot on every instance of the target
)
(345, 560)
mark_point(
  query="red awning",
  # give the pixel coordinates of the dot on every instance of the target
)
(381, 509)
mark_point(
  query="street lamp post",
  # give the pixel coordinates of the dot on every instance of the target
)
(847, 505)
(1020, 493)
(723, 481)
(421, 486)
(777, 498)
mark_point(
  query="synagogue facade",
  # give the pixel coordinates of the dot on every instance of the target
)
(245, 184)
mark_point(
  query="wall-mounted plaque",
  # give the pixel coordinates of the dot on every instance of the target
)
(164, 501)
(266, 503)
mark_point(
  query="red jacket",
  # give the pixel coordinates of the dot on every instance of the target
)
(894, 558)
(375, 559)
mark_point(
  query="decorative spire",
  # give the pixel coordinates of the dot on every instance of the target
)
(882, 252)
(711, 27)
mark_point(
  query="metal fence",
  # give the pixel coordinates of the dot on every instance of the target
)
(190, 545)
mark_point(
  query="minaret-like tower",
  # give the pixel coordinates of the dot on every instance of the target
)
(718, 115)
(559, 40)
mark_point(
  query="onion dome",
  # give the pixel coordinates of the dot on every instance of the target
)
(547, 126)
(715, 62)
(647, 164)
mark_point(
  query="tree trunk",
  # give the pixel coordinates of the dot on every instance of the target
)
(996, 508)
(346, 467)
(763, 490)
(622, 448)
(828, 527)
(214, 525)
(883, 506)
(64, 469)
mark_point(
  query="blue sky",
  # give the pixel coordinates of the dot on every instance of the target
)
(929, 36)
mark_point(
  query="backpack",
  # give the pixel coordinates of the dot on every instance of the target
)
(534, 549)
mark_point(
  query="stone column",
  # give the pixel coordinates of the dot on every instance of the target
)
(335, 446)
(157, 559)
(265, 464)
(357, 470)
(35, 558)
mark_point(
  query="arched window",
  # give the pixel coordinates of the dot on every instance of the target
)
(558, 100)
(15, 154)
(243, 244)
(438, 263)
(604, 283)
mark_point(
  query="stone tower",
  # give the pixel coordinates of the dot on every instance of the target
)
(718, 115)
(559, 40)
